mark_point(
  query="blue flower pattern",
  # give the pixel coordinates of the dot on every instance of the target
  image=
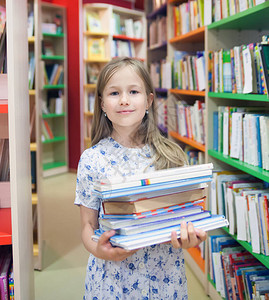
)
(152, 273)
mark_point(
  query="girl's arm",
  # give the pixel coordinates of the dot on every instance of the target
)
(101, 249)
(189, 236)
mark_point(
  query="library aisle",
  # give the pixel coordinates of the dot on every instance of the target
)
(65, 258)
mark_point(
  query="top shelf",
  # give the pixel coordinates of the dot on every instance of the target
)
(251, 19)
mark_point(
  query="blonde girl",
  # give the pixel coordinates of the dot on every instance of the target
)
(126, 141)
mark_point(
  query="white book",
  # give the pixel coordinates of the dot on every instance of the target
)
(207, 12)
(152, 177)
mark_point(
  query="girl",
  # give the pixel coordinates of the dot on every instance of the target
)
(126, 141)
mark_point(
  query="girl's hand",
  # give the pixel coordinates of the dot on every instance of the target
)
(189, 236)
(106, 251)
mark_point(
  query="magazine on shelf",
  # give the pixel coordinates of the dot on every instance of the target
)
(139, 228)
(136, 219)
(146, 204)
(158, 236)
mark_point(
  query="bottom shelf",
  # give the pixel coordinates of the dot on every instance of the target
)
(54, 168)
(5, 226)
(53, 165)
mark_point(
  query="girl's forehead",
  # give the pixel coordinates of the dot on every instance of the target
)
(124, 74)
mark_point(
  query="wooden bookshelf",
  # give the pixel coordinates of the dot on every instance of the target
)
(194, 36)
(240, 29)
(187, 92)
(187, 141)
(90, 63)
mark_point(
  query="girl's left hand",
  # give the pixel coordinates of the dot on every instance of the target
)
(189, 236)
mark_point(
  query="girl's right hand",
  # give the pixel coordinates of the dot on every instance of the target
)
(106, 251)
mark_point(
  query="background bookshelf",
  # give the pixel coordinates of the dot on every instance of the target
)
(242, 28)
(156, 14)
(53, 89)
(16, 220)
(108, 31)
(188, 43)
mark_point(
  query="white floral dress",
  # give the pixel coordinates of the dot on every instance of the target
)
(155, 272)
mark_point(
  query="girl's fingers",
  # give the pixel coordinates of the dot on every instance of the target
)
(201, 234)
(184, 237)
(193, 241)
(174, 240)
(104, 238)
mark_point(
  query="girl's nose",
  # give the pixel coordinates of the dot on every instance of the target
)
(124, 99)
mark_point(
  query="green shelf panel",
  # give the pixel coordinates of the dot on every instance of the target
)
(255, 171)
(53, 57)
(55, 86)
(262, 258)
(255, 18)
(245, 97)
(53, 34)
(52, 165)
(54, 140)
(48, 116)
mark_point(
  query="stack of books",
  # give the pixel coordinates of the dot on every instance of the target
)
(144, 209)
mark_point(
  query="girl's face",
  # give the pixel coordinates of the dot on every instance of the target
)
(125, 100)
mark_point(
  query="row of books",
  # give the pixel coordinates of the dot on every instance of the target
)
(122, 48)
(162, 113)
(191, 120)
(243, 200)
(47, 133)
(220, 9)
(158, 31)
(6, 274)
(126, 26)
(195, 157)
(242, 133)
(242, 69)
(31, 71)
(144, 209)
(189, 70)
(53, 74)
(235, 272)
(188, 16)
(54, 103)
(160, 72)
(4, 160)
(90, 103)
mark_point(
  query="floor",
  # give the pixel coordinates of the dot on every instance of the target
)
(64, 257)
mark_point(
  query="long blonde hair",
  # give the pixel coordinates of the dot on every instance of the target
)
(167, 153)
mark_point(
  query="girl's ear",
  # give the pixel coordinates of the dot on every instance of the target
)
(150, 100)
(102, 103)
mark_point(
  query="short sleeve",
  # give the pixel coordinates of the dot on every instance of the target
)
(86, 175)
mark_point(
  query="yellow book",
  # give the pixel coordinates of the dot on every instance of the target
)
(96, 49)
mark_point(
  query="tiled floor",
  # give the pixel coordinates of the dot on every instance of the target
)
(64, 258)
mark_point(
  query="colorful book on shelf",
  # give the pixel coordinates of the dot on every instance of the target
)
(96, 48)
(94, 23)
(146, 204)
(5, 262)
(158, 236)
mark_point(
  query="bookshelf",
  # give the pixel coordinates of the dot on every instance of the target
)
(189, 42)
(242, 28)
(108, 31)
(156, 14)
(53, 89)
(16, 221)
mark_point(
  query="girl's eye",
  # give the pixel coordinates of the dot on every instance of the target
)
(134, 92)
(114, 93)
